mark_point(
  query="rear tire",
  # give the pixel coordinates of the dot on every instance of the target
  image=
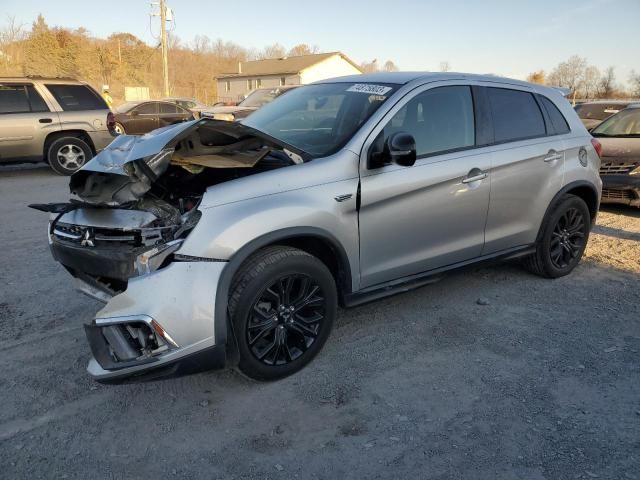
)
(283, 304)
(67, 155)
(563, 239)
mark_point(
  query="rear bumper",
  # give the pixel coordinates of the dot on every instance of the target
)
(621, 189)
(178, 300)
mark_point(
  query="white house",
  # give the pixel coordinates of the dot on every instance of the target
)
(275, 72)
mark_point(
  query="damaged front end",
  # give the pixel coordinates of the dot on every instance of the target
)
(120, 235)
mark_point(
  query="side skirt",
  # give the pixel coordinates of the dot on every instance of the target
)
(412, 282)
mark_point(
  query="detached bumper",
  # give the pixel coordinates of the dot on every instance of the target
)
(621, 189)
(177, 303)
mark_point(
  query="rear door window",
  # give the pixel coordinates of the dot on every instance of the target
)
(558, 122)
(147, 109)
(440, 120)
(516, 115)
(168, 108)
(77, 97)
(13, 99)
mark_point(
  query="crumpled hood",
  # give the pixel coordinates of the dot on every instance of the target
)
(125, 170)
(127, 148)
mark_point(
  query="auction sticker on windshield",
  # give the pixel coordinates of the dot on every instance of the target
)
(369, 89)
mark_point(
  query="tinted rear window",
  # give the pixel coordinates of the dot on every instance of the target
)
(13, 99)
(558, 122)
(77, 97)
(516, 115)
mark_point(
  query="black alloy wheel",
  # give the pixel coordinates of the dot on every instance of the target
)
(568, 238)
(286, 319)
(283, 302)
(562, 239)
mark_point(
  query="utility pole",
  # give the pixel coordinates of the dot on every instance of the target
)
(165, 15)
(165, 47)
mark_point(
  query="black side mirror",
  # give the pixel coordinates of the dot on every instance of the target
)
(400, 148)
(134, 113)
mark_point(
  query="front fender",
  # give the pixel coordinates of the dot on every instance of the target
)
(226, 229)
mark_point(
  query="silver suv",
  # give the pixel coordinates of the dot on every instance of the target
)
(62, 121)
(217, 243)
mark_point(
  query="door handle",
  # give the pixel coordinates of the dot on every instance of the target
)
(45, 120)
(475, 178)
(552, 156)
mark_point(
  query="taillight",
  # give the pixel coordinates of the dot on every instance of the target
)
(598, 147)
(111, 121)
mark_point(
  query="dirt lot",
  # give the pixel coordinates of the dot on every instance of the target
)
(541, 383)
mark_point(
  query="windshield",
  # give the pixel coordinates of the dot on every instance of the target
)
(626, 123)
(258, 98)
(125, 107)
(320, 119)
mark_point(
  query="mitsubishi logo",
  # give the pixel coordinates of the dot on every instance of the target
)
(87, 241)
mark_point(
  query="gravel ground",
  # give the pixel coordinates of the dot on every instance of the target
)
(541, 383)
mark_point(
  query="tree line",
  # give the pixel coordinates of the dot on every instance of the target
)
(587, 81)
(122, 59)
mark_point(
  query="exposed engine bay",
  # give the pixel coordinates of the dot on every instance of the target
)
(137, 200)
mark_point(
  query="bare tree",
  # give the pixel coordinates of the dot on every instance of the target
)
(634, 80)
(272, 51)
(303, 49)
(389, 66)
(445, 66)
(369, 67)
(569, 74)
(591, 81)
(11, 47)
(607, 83)
(536, 77)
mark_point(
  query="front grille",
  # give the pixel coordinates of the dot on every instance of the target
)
(94, 236)
(610, 168)
(618, 194)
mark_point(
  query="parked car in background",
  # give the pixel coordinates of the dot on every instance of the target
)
(619, 136)
(191, 104)
(214, 242)
(62, 121)
(255, 100)
(593, 113)
(136, 118)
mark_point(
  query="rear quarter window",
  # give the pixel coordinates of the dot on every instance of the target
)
(77, 97)
(516, 115)
(558, 122)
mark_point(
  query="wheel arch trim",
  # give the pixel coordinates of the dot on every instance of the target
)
(578, 184)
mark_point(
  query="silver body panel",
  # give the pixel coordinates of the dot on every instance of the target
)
(391, 222)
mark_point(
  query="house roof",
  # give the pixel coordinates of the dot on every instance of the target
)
(284, 65)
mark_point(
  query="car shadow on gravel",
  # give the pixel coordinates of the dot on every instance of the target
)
(617, 233)
(625, 210)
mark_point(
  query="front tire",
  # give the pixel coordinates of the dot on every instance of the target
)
(563, 239)
(67, 155)
(283, 304)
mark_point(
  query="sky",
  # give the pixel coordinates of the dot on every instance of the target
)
(509, 38)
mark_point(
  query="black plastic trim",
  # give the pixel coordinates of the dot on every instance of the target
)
(411, 282)
(211, 358)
